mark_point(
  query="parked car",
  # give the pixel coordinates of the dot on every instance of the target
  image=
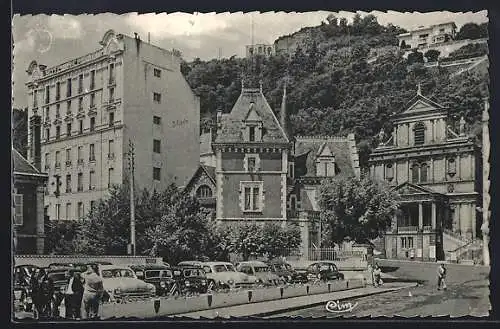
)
(190, 263)
(324, 270)
(188, 280)
(22, 288)
(224, 275)
(261, 271)
(286, 272)
(121, 282)
(159, 275)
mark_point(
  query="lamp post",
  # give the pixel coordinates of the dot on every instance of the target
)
(132, 203)
(486, 185)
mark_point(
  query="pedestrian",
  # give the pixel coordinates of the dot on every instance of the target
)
(370, 274)
(441, 273)
(45, 294)
(68, 296)
(376, 276)
(77, 287)
(35, 292)
(92, 292)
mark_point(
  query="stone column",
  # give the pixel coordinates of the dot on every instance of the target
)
(410, 135)
(396, 136)
(431, 167)
(433, 133)
(420, 236)
(395, 172)
(420, 216)
(459, 171)
(473, 219)
(304, 234)
(433, 218)
(219, 180)
(40, 220)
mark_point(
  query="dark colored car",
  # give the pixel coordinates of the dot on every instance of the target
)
(159, 275)
(60, 277)
(189, 280)
(324, 271)
(22, 287)
(286, 272)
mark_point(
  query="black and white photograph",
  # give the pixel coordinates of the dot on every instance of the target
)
(258, 165)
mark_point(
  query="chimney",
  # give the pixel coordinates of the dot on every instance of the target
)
(283, 114)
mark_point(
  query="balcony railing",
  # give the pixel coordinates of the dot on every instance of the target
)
(58, 165)
(428, 228)
(408, 229)
(68, 163)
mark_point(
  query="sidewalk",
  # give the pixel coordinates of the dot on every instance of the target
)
(280, 306)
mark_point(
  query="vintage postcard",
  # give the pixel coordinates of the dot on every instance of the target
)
(265, 165)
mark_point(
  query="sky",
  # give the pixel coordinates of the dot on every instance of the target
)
(55, 39)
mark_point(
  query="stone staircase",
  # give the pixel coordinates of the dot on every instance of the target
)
(459, 249)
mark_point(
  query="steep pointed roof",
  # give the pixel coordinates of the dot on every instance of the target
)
(21, 165)
(233, 122)
(202, 170)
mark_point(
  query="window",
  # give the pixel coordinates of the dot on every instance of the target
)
(157, 97)
(80, 210)
(47, 134)
(441, 30)
(156, 173)
(58, 211)
(414, 173)
(47, 160)
(92, 123)
(58, 91)
(291, 170)
(252, 196)
(423, 172)
(111, 119)
(252, 162)
(92, 204)
(35, 98)
(47, 114)
(410, 242)
(68, 183)
(389, 172)
(156, 146)
(157, 73)
(68, 107)
(47, 94)
(80, 126)
(111, 95)
(68, 157)
(293, 202)
(156, 120)
(68, 129)
(58, 110)
(111, 73)
(92, 79)
(18, 205)
(419, 133)
(80, 154)
(58, 159)
(68, 88)
(91, 180)
(80, 182)
(110, 176)
(452, 167)
(80, 104)
(68, 211)
(111, 149)
(58, 132)
(204, 191)
(91, 152)
(92, 100)
(80, 83)
(251, 134)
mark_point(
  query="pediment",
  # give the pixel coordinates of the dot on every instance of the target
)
(420, 103)
(324, 151)
(409, 188)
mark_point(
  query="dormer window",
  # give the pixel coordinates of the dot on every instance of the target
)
(325, 162)
(252, 125)
(251, 133)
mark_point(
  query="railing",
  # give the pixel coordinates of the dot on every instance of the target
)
(467, 252)
(332, 254)
(457, 236)
(428, 228)
(75, 62)
(408, 229)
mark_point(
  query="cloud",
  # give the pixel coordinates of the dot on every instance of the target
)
(65, 27)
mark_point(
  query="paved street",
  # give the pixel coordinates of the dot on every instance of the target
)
(467, 293)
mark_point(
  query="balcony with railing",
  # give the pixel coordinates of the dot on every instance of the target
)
(408, 229)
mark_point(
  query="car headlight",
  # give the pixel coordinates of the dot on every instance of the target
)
(230, 281)
(203, 282)
(162, 284)
(187, 283)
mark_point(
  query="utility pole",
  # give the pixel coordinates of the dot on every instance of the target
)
(486, 185)
(132, 203)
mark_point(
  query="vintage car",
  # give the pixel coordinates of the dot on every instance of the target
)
(22, 286)
(286, 272)
(224, 275)
(188, 280)
(159, 275)
(323, 270)
(190, 263)
(120, 282)
(261, 271)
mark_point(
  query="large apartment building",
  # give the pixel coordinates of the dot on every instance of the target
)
(85, 112)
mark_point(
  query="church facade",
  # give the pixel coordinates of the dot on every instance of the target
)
(435, 171)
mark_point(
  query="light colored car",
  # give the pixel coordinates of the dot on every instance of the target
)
(261, 271)
(121, 282)
(224, 274)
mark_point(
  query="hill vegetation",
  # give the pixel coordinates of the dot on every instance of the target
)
(331, 87)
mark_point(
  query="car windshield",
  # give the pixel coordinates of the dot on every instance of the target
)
(117, 273)
(59, 276)
(260, 269)
(193, 272)
(207, 269)
(282, 267)
(220, 268)
(230, 268)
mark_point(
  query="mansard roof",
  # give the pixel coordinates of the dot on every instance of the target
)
(233, 122)
(307, 149)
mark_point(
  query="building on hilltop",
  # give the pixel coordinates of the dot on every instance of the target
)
(260, 49)
(430, 35)
(84, 112)
(28, 202)
(435, 170)
(263, 173)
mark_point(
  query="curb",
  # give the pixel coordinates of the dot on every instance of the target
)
(295, 308)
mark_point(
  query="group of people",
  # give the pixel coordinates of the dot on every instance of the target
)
(87, 289)
(375, 275)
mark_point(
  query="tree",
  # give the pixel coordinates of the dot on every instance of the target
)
(355, 209)
(415, 57)
(472, 31)
(279, 241)
(60, 237)
(246, 239)
(432, 55)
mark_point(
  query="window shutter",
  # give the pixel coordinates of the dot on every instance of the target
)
(18, 203)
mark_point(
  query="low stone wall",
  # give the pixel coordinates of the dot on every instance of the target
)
(45, 260)
(181, 305)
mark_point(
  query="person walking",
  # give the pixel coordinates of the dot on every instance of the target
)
(441, 273)
(77, 287)
(68, 296)
(370, 275)
(35, 293)
(92, 292)
(377, 272)
(45, 294)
